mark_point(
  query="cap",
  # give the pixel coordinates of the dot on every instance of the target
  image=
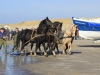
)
(2, 28)
(16, 28)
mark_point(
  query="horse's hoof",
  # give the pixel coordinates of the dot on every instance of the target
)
(31, 54)
(63, 53)
(69, 53)
(45, 54)
(41, 54)
(21, 54)
(54, 55)
(35, 55)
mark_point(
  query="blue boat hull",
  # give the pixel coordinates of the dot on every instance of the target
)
(86, 26)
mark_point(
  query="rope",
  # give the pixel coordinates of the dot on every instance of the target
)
(32, 38)
(35, 37)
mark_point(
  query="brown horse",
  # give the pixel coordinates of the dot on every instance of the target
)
(68, 37)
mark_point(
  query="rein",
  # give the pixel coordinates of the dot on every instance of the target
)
(32, 39)
(35, 37)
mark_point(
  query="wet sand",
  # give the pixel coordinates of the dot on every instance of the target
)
(84, 60)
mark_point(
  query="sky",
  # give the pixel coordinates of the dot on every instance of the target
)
(15, 11)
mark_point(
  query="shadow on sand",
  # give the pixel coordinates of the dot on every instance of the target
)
(88, 46)
(72, 53)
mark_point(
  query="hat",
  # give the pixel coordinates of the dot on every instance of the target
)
(2, 28)
(16, 28)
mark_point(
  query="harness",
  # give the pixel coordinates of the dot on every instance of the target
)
(37, 35)
(69, 36)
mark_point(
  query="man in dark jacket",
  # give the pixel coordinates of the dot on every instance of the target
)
(3, 39)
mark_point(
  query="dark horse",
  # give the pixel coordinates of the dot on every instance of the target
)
(56, 30)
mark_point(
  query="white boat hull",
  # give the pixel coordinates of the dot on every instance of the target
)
(89, 34)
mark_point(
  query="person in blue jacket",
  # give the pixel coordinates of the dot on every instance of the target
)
(3, 39)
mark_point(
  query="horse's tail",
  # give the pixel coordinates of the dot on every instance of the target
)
(20, 35)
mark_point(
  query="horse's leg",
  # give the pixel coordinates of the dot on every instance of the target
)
(69, 48)
(50, 49)
(45, 53)
(31, 49)
(56, 45)
(40, 49)
(53, 49)
(22, 48)
(36, 49)
(64, 48)
(47, 46)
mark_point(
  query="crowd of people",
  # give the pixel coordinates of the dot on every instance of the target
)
(6, 34)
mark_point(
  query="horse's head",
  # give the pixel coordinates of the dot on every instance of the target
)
(43, 26)
(73, 30)
(56, 26)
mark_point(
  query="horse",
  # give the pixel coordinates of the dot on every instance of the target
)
(57, 35)
(68, 37)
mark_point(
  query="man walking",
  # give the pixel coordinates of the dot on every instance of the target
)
(15, 33)
(3, 39)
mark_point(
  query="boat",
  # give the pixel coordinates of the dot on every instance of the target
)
(88, 29)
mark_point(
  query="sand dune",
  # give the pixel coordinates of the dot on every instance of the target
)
(34, 24)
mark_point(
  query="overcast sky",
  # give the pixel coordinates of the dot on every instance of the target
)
(15, 11)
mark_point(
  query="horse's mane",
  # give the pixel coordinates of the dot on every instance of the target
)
(42, 23)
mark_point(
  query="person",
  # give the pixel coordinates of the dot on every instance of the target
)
(3, 39)
(15, 33)
(76, 33)
(11, 33)
(7, 33)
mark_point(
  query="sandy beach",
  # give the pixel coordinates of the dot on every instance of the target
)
(83, 61)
